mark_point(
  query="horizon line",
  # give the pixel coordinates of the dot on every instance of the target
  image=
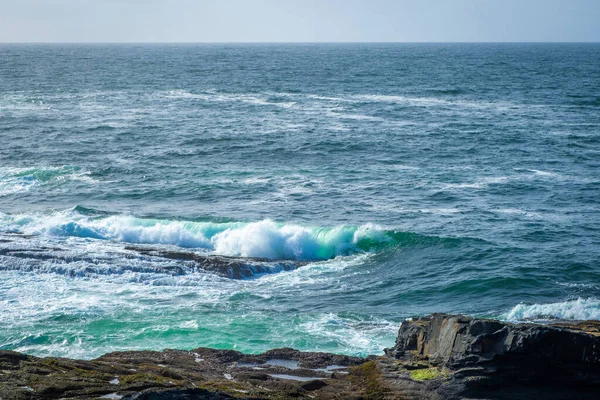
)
(301, 42)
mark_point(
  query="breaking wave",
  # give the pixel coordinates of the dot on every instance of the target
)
(262, 239)
(580, 309)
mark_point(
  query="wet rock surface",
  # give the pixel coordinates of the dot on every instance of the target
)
(229, 267)
(436, 357)
(176, 374)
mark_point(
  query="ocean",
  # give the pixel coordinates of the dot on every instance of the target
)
(358, 184)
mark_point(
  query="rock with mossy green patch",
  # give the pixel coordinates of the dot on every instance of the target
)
(425, 374)
(494, 359)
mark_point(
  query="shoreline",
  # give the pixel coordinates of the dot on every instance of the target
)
(435, 357)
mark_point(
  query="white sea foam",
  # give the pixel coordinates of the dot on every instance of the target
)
(440, 211)
(595, 286)
(542, 173)
(270, 240)
(265, 239)
(517, 211)
(357, 117)
(403, 167)
(328, 98)
(145, 304)
(15, 180)
(256, 181)
(212, 96)
(191, 325)
(354, 336)
(435, 101)
(580, 309)
(481, 183)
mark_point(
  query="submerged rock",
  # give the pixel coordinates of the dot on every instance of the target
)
(229, 267)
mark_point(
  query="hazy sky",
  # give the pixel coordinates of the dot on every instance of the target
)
(298, 20)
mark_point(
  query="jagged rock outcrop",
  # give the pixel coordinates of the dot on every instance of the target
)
(456, 340)
(487, 358)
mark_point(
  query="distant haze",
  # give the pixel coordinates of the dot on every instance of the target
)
(299, 21)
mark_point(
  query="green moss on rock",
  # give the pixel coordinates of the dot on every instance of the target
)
(425, 374)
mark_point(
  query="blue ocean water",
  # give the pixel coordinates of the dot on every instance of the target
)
(404, 179)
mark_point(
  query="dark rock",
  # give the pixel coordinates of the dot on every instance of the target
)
(459, 341)
(12, 357)
(178, 394)
(230, 267)
(486, 355)
(221, 356)
(313, 385)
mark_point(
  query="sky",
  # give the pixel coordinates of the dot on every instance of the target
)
(299, 20)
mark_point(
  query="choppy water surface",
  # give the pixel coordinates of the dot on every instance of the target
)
(402, 180)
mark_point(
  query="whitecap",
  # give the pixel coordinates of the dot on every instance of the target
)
(542, 173)
(263, 239)
(580, 309)
(191, 325)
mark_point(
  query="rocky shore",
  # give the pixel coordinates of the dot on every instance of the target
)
(435, 357)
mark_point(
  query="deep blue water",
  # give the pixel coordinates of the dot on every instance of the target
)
(412, 177)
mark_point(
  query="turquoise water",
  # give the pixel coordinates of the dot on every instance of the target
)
(402, 179)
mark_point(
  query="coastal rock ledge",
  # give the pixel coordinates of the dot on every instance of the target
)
(497, 360)
(436, 357)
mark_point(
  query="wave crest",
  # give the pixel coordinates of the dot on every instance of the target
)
(262, 239)
(580, 309)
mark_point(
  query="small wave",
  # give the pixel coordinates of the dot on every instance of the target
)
(539, 174)
(580, 309)
(482, 183)
(262, 239)
(15, 180)
(448, 92)
(213, 96)
(517, 211)
(542, 173)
